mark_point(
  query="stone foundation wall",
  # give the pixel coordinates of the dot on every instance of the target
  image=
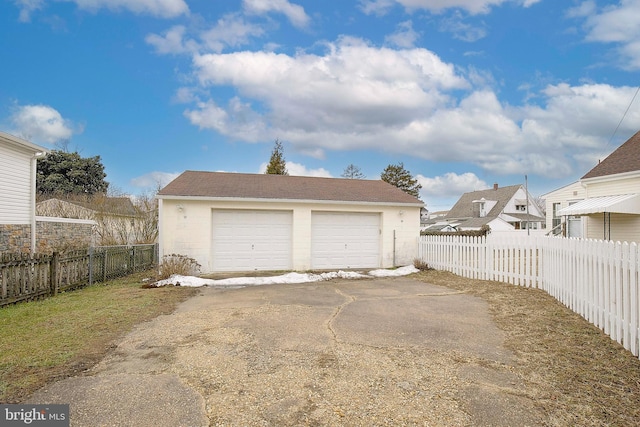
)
(15, 237)
(51, 235)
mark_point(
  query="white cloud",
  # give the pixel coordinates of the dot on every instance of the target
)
(230, 30)
(295, 13)
(27, 7)
(172, 41)
(471, 6)
(462, 30)
(154, 180)
(450, 184)
(404, 101)
(376, 7)
(41, 124)
(298, 169)
(619, 24)
(405, 36)
(474, 7)
(159, 8)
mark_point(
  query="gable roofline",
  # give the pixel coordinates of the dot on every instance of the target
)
(625, 158)
(501, 195)
(225, 186)
(22, 143)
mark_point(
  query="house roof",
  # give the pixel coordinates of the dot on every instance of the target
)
(464, 206)
(284, 187)
(625, 158)
(8, 138)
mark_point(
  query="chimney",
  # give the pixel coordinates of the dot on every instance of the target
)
(495, 186)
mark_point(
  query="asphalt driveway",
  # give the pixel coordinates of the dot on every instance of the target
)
(393, 351)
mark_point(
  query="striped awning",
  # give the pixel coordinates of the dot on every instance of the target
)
(624, 203)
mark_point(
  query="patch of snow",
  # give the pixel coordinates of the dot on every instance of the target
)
(192, 281)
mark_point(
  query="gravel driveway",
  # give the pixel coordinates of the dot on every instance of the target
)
(393, 351)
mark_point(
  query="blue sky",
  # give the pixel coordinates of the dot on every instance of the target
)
(464, 92)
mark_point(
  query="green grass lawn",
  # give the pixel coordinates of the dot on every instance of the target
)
(42, 341)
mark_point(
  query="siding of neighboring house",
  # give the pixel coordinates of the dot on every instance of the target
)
(617, 175)
(565, 196)
(622, 227)
(15, 184)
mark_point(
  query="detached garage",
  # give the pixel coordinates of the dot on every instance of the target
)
(233, 222)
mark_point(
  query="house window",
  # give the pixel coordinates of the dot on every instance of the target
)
(521, 208)
(556, 219)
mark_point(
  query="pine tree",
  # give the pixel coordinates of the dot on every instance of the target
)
(400, 177)
(277, 165)
(353, 172)
(63, 173)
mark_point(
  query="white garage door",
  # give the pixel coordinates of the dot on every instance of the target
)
(246, 240)
(345, 240)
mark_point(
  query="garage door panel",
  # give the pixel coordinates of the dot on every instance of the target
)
(345, 240)
(245, 240)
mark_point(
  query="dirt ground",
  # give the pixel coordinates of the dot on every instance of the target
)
(430, 349)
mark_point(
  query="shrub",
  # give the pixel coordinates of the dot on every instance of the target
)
(177, 264)
(421, 265)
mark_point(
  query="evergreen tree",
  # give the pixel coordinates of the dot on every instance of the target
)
(63, 173)
(353, 172)
(277, 165)
(400, 177)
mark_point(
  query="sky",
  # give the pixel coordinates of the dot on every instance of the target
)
(463, 93)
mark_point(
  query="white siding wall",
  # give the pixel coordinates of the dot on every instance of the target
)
(565, 195)
(188, 231)
(624, 228)
(612, 187)
(15, 185)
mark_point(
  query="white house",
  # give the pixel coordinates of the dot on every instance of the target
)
(567, 226)
(610, 206)
(245, 222)
(501, 208)
(18, 192)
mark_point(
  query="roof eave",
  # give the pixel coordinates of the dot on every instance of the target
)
(265, 200)
(19, 142)
(614, 177)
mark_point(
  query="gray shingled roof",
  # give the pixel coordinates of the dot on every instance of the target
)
(284, 187)
(625, 158)
(464, 206)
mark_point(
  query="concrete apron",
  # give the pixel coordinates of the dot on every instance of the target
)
(220, 348)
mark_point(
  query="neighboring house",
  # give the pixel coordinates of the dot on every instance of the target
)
(18, 193)
(499, 208)
(115, 217)
(245, 222)
(611, 205)
(567, 226)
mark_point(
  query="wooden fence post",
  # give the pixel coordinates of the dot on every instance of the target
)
(132, 259)
(53, 273)
(104, 266)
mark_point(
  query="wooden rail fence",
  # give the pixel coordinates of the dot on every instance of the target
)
(28, 277)
(597, 279)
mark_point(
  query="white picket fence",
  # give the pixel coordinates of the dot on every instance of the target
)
(597, 279)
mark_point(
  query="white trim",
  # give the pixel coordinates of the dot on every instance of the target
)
(614, 177)
(65, 220)
(23, 143)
